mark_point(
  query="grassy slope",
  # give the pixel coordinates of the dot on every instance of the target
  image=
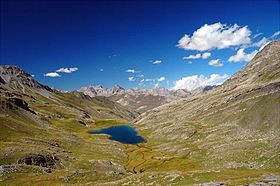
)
(228, 135)
(55, 130)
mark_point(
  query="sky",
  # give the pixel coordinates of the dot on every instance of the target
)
(144, 44)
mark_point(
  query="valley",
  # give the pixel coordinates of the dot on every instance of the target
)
(227, 135)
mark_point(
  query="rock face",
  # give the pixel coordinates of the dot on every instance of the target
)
(20, 103)
(99, 90)
(18, 79)
(141, 100)
(40, 160)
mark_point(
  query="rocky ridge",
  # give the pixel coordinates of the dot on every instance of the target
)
(141, 100)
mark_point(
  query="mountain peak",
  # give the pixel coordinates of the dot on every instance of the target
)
(263, 68)
(11, 70)
(118, 86)
(15, 78)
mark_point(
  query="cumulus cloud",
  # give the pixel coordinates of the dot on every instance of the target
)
(161, 79)
(67, 70)
(195, 81)
(156, 62)
(130, 71)
(204, 55)
(131, 79)
(215, 63)
(215, 36)
(242, 56)
(155, 79)
(196, 56)
(52, 74)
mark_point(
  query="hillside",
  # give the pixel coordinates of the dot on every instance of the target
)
(44, 131)
(232, 129)
(227, 136)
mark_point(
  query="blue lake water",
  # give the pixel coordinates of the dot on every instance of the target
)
(124, 134)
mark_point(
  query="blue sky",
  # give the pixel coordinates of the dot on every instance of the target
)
(101, 40)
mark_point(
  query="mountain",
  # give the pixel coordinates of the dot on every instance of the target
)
(99, 90)
(15, 83)
(44, 131)
(141, 100)
(227, 136)
(230, 135)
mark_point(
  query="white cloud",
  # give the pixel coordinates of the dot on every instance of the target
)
(275, 34)
(101, 70)
(156, 62)
(130, 71)
(114, 55)
(215, 36)
(141, 75)
(67, 70)
(257, 35)
(142, 80)
(265, 41)
(261, 43)
(242, 56)
(131, 79)
(52, 74)
(195, 81)
(215, 63)
(161, 79)
(189, 62)
(156, 85)
(196, 56)
(204, 55)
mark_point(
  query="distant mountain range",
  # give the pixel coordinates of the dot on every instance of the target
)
(229, 135)
(141, 100)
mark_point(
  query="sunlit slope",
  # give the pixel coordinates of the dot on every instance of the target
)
(44, 131)
(236, 125)
(228, 135)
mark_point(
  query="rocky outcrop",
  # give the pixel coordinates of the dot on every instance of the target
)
(41, 160)
(99, 90)
(2, 81)
(20, 103)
